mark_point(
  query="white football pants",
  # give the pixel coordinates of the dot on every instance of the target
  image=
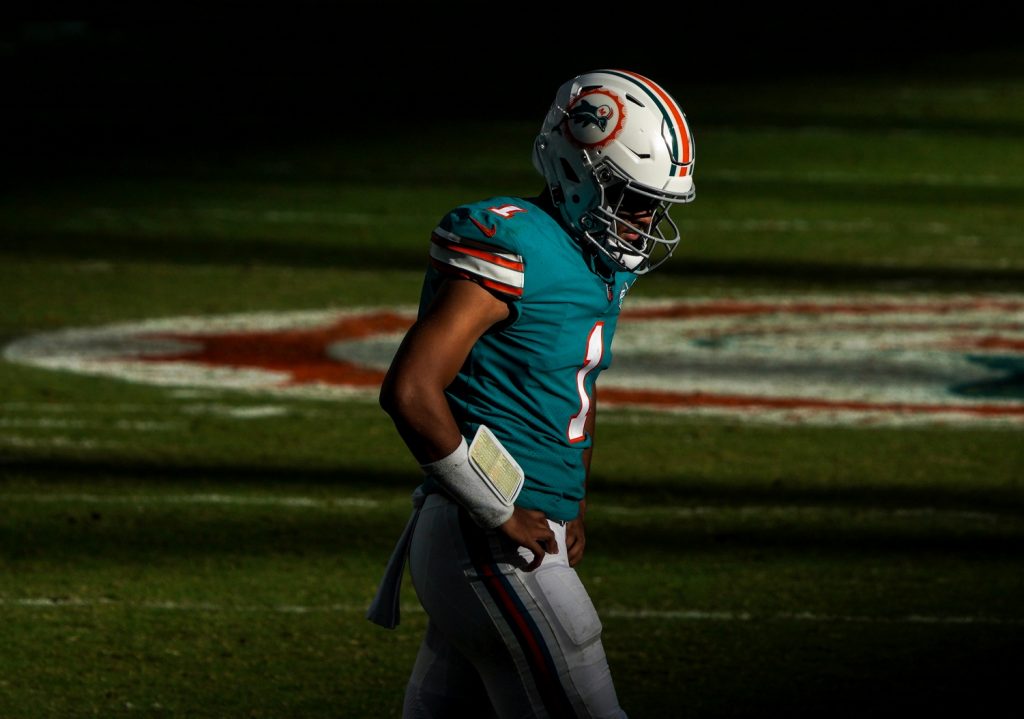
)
(501, 642)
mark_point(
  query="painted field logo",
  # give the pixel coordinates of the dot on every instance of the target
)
(871, 359)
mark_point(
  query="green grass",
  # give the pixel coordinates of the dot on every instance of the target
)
(222, 563)
(160, 555)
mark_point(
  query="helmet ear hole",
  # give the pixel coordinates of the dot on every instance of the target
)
(569, 173)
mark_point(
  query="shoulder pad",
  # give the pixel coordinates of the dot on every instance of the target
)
(474, 242)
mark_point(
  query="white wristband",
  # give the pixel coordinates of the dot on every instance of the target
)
(455, 474)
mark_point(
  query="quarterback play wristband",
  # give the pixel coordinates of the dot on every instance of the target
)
(486, 483)
(496, 467)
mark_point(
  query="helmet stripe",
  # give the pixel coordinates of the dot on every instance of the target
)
(670, 110)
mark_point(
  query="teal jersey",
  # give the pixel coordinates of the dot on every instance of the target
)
(530, 379)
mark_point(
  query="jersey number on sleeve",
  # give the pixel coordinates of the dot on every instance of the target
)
(595, 351)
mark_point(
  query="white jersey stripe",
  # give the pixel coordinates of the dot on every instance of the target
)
(457, 239)
(478, 266)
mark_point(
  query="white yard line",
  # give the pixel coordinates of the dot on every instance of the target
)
(696, 615)
(66, 407)
(224, 409)
(123, 424)
(239, 412)
(59, 441)
(41, 423)
(215, 499)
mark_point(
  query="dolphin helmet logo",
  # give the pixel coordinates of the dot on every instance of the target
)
(594, 118)
(584, 114)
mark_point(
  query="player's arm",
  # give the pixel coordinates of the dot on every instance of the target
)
(575, 532)
(426, 363)
(428, 360)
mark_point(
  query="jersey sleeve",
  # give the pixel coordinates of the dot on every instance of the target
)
(474, 243)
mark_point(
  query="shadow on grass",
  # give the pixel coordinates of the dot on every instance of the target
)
(149, 532)
(677, 491)
(195, 477)
(199, 250)
(126, 531)
(371, 256)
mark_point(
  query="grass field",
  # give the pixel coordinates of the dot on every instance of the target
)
(172, 551)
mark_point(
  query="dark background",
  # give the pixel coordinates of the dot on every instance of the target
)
(85, 94)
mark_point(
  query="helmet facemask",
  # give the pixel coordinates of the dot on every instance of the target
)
(631, 224)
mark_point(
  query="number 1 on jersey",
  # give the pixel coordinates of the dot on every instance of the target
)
(595, 351)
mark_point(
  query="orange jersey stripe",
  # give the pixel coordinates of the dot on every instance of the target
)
(481, 254)
(488, 283)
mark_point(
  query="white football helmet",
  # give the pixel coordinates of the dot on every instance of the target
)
(614, 149)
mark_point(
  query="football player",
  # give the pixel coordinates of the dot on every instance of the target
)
(494, 392)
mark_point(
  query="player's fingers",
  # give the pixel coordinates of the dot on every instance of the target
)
(538, 555)
(549, 540)
(535, 516)
(575, 557)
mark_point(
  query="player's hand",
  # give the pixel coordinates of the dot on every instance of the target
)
(529, 528)
(575, 540)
